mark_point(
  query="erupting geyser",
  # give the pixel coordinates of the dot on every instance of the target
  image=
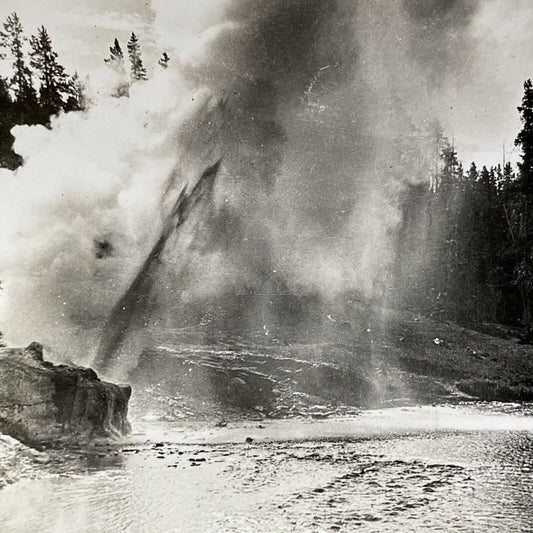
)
(319, 108)
(122, 336)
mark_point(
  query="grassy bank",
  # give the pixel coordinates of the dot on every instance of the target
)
(486, 366)
(373, 359)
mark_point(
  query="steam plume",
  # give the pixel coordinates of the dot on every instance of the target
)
(135, 303)
(319, 108)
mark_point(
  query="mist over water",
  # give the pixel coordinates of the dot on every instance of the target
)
(318, 111)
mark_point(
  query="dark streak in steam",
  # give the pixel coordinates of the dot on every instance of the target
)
(133, 305)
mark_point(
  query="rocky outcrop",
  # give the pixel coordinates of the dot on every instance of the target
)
(45, 403)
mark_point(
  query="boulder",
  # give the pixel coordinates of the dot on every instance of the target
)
(43, 403)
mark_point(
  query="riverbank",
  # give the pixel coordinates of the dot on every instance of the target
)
(364, 359)
(485, 366)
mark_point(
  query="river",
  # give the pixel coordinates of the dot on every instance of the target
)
(438, 468)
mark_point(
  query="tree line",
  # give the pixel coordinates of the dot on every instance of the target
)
(39, 86)
(465, 245)
(136, 66)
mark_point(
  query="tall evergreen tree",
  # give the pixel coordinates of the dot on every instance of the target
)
(8, 158)
(116, 57)
(472, 175)
(12, 38)
(5, 97)
(487, 177)
(522, 229)
(525, 139)
(137, 70)
(52, 77)
(450, 176)
(116, 62)
(508, 178)
(77, 100)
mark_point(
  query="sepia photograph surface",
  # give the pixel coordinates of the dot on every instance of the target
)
(266, 266)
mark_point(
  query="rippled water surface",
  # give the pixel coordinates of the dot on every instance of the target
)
(415, 469)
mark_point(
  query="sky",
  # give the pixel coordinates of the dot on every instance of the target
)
(82, 31)
(484, 117)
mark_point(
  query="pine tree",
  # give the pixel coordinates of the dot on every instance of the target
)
(525, 139)
(498, 178)
(163, 60)
(473, 174)
(5, 97)
(8, 158)
(116, 62)
(450, 174)
(508, 173)
(52, 77)
(77, 100)
(137, 70)
(116, 57)
(522, 234)
(20, 83)
(486, 177)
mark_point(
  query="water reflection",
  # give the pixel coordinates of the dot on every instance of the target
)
(405, 480)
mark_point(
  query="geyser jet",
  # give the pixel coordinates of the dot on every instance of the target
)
(122, 336)
(322, 126)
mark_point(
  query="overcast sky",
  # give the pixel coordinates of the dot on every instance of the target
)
(82, 31)
(482, 113)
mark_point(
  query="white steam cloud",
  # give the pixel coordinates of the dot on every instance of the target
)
(318, 109)
(81, 213)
